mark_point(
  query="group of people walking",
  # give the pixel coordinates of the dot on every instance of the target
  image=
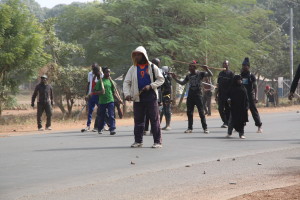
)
(149, 86)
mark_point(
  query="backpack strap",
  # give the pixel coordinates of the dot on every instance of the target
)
(154, 78)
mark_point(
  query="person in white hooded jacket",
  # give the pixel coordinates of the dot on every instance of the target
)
(140, 86)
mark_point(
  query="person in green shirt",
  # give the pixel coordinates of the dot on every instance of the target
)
(106, 91)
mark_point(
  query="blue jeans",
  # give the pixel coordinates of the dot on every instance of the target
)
(93, 101)
(108, 108)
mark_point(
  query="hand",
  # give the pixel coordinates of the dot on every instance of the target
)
(146, 88)
(291, 96)
(128, 98)
(172, 74)
(32, 105)
(229, 101)
(256, 100)
(102, 92)
(121, 102)
(87, 97)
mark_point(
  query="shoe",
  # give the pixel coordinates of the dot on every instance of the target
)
(224, 126)
(136, 145)
(40, 129)
(188, 131)
(100, 132)
(259, 130)
(95, 130)
(156, 145)
(106, 128)
(206, 131)
(49, 128)
(228, 136)
(87, 128)
(112, 132)
(242, 137)
(167, 128)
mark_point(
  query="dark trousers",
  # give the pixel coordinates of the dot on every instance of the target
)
(224, 110)
(230, 127)
(41, 107)
(140, 110)
(103, 111)
(192, 101)
(92, 102)
(254, 112)
(166, 111)
(207, 102)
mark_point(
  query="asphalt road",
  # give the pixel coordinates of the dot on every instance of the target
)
(75, 165)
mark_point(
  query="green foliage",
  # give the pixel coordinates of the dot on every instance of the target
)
(21, 47)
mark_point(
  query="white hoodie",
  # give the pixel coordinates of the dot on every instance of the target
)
(130, 85)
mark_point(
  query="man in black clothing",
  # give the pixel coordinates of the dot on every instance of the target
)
(294, 83)
(249, 81)
(195, 94)
(44, 102)
(166, 93)
(224, 83)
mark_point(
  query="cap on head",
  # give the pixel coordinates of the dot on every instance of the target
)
(165, 69)
(44, 76)
(267, 87)
(246, 61)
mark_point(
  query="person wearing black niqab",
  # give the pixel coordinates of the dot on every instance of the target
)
(239, 105)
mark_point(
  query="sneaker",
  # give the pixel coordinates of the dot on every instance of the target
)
(106, 128)
(112, 132)
(156, 145)
(100, 132)
(95, 130)
(242, 137)
(49, 128)
(228, 136)
(224, 126)
(188, 131)
(259, 130)
(87, 128)
(136, 145)
(206, 131)
(167, 128)
(40, 129)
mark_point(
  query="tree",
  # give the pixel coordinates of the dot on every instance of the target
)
(21, 47)
(68, 81)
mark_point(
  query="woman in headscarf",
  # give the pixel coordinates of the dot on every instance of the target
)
(239, 105)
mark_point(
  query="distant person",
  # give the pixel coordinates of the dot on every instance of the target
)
(239, 104)
(224, 83)
(270, 93)
(166, 93)
(106, 91)
(140, 85)
(207, 94)
(294, 83)
(92, 99)
(249, 82)
(194, 78)
(44, 102)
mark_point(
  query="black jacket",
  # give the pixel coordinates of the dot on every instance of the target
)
(295, 80)
(44, 92)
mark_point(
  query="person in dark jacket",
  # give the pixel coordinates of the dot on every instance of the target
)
(239, 104)
(224, 83)
(249, 82)
(44, 102)
(166, 93)
(294, 83)
(194, 78)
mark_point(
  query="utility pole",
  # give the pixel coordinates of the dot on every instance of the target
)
(291, 45)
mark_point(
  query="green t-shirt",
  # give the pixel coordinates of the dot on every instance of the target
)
(108, 97)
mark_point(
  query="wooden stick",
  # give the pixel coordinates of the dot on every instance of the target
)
(100, 79)
(116, 90)
(215, 68)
